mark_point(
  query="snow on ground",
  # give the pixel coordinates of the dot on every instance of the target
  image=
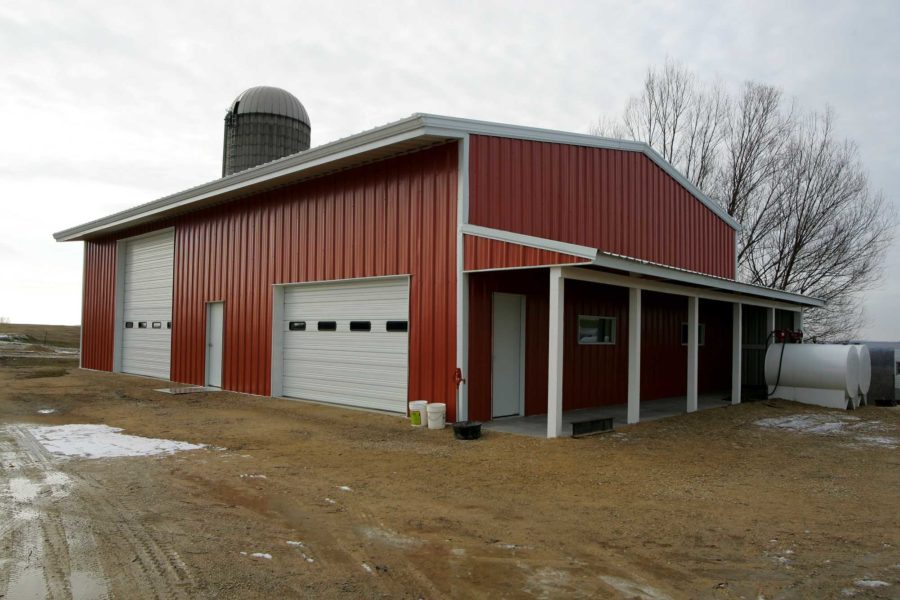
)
(852, 428)
(102, 441)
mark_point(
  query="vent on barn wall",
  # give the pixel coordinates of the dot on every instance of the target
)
(263, 124)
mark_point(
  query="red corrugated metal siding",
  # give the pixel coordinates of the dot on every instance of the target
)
(483, 253)
(394, 217)
(614, 200)
(664, 358)
(98, 308)
(594, 375)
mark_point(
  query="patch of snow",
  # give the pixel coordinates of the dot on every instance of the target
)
(264, 555)
(847, 426)
(367, 568)
(877, 440)
(46, 411)
(253, 476)
(633, 589)
(102, 441)
(458, 551)
(293, 543)
(330, 501)
(870, 583)
(345, 488)
(391, 538)
(23, 489)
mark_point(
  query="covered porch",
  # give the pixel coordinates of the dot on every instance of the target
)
(536, 425)
(663, 343)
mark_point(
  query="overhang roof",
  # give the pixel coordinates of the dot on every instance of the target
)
(406, 135)
(644, 268)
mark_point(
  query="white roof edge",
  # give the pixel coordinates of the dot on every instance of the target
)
(417, 125)
(647, 268)
(576, 139)
(639, 267)
(408, 128)
(531, 241)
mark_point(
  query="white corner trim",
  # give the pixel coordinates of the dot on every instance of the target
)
(530, 241)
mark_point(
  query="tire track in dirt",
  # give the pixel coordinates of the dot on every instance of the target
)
(73, 560)
(147, 563)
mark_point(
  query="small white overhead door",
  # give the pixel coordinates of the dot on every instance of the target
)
(147, 308)
(347, 343)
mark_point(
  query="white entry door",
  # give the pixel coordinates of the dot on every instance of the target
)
(508, 355)
(215, 323)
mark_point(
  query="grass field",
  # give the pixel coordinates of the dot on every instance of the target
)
(65, 336)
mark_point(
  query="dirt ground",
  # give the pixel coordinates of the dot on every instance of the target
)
(708, 505)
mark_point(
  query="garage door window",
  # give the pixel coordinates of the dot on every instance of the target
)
(297, 326)
(327, 326)
(360, 325)
(397, 326)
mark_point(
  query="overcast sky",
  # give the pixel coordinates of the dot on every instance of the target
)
(106, 105)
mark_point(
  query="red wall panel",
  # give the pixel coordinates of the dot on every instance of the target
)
(594, 375)
(664, 358)
(98, 307)
(483, 253)
(394, 217)
(614, 200)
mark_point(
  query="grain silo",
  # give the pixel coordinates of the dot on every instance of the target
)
(263, 124)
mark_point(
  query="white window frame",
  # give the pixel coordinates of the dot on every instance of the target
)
(612, 320)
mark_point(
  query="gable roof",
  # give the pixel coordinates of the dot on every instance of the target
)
(406, 135)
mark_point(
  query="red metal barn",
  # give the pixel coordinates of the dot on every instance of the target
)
(556, 271)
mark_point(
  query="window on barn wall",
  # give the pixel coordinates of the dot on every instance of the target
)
(701, 330)
(596, 330)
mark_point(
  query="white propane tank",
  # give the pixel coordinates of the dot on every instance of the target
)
(865, 370)
(821, 374)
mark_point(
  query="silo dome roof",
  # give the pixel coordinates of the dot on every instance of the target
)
(271, 101)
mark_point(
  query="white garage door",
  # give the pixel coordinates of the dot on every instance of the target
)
(348, 343)
(147, 297)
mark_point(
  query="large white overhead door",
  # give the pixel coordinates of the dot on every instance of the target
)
(347, 342)
(147, 304)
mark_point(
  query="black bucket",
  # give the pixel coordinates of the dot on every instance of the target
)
(467, 430)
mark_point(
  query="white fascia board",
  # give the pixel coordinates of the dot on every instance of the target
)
(438, 122)
(530, 240)
(284, 168)
(639, 267)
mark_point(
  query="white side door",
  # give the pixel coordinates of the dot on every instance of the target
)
(508, 355)
(215, 324)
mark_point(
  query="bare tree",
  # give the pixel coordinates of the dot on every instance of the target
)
(810, 224)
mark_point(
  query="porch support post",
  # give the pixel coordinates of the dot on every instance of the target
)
(692, 347)
(634, 355)
(555, 354)
(736, 346)
(798, 320)
(770, 324)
